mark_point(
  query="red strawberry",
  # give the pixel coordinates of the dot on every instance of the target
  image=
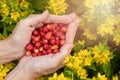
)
(63, 29)
(34, 54)
(39, 54)
(37, 44)
(35, 32)
(55, 51)
(51, 27)
(44, 52)
(46, 47)
(57, 40)
(36, 38)
(41, 49)
(29, 47)
(52, 41)
(48, 35)
(54, 47)
(49, 51)
(45, 29)
(36, 51)
(62, 37)
(45, 41)
(42, 34)
(28, 53)
(62, 42)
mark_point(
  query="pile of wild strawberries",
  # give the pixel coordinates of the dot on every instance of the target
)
(46, 40)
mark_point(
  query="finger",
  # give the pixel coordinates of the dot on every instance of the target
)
(62, 64)
(25, 58)
(42, 61)
(61, 19)
(34, 19)
(40, 57)
(55, 68)
(71, 31)
(64, 51)
(39, 25)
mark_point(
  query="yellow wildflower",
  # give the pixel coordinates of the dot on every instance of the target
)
(54, 77)
(67, 59)
(88, 61)
(95, 8)
(62, 77)
(24, 13)
(4, 9)
(83, 53)
(15, 15)
(91, 3)
(24, 3)
(57, 6)
(77, 63)
(84, 58)
(69, 64)
(101, 77)
(81, 42)
(1, 67)
(58, 77)
(82, 73)
(107, 27)
(116, 38)
(105, 57)
(4, 69)
(90, 35)
(115, 78)
(101, 57)
(94, 78)
(74, 61)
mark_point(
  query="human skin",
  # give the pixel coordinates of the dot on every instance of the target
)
(30, 68)
(14, 47)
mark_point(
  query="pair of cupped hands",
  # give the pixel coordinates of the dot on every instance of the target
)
(30, 67)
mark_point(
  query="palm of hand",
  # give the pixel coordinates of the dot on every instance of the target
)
(47, 64)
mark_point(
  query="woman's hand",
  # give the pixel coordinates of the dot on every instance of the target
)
(14, 47)
(30, 68)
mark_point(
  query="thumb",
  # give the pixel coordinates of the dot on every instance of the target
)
(64, 51)
(35, 19)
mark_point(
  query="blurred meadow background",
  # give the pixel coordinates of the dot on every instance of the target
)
(96, 54)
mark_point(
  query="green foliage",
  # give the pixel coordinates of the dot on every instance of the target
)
(95, 55)
(12, 11)
(107, 69)
(38, 5)
(70, 73)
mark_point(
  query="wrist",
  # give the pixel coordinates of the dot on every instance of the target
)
(7, 51)
(19, 74)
